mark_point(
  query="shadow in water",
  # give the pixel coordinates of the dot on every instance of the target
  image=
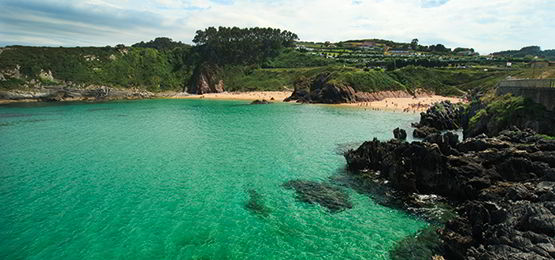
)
(255, 204)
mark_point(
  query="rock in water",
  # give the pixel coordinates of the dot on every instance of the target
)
(261, 102)
(255, 203)
(333, 198)
(400, 134)
(502, 187)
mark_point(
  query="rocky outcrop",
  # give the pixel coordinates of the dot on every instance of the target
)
(424, 131)
(206, 79)
(320, 90)
(74, 93)
(503, 187)
(441, 116)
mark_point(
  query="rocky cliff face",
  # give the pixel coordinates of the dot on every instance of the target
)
(206, 80)
(503, 187)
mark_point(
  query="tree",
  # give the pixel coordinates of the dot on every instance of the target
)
(414, 44)
(233, 45)
(161, 44)
(439, 48)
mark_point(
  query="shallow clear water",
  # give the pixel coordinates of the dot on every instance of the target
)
(156, 179)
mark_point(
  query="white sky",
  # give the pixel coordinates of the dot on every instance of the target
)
(486, 25)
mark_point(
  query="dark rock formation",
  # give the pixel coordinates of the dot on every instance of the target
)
(331, 197)
(261, 102)
(320, 90)
(400, 134)
(255, 204)
(206, 79)
(443, 116)
(424, 131)
(503, 188)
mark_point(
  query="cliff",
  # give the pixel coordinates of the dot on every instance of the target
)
(206, 79)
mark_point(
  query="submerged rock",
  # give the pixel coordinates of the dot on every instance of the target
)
(333, 198)
(255, 203)
(261, 102)
(502, 188)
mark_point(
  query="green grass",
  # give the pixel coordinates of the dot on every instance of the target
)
(506, 110)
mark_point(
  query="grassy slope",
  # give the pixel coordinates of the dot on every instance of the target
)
(441, 81)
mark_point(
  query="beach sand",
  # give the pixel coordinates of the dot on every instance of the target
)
(277, 96)
(407, 104)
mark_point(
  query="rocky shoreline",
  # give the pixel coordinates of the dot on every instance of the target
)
(59, 93)
(502, 187)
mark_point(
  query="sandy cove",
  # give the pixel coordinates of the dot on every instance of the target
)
(404, 104)
(396, 104)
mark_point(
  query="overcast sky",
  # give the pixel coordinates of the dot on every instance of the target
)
(486, 25)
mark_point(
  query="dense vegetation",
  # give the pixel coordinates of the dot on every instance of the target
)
(161, 44)
(530, 51)
(119, 66)
(248, 46)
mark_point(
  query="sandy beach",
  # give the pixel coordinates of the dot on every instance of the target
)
(400, 104)
(407, 105)
(277, 96)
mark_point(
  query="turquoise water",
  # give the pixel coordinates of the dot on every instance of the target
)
(169, 179)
